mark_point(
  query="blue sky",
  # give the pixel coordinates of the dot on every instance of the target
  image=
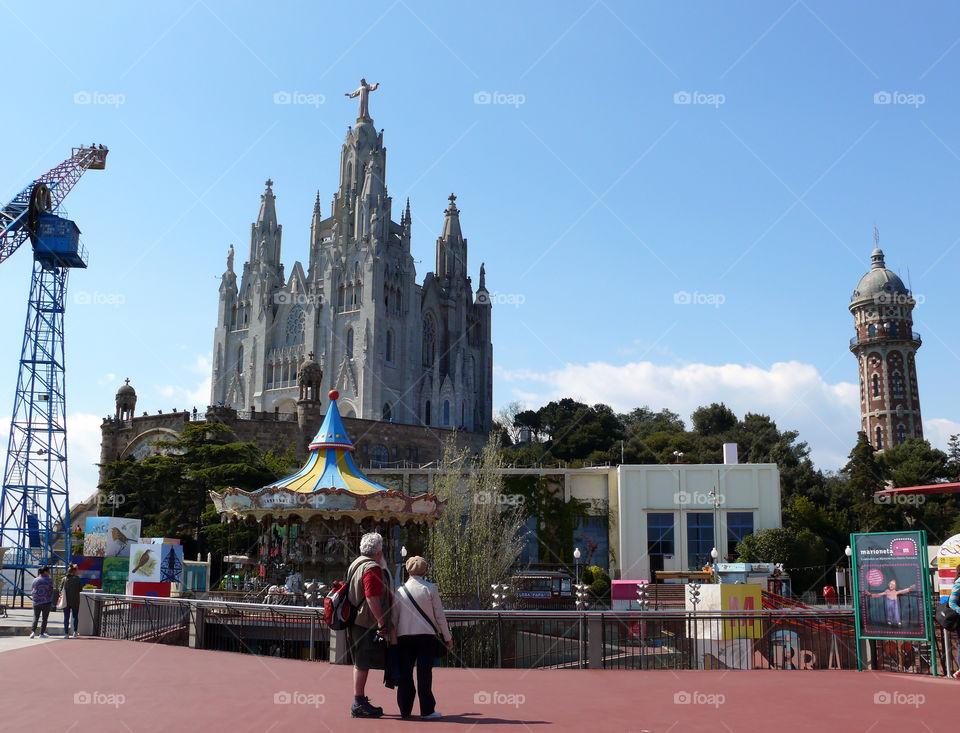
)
(596, 200)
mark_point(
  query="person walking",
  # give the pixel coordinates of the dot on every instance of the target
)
(71, 587)
(954, 603)
(41, 592)
(421, 627)
(368, 582)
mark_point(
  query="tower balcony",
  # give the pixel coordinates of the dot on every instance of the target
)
(882, 335)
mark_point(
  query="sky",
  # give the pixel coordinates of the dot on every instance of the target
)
(674, 203)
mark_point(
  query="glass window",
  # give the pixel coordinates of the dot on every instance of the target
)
(739, 525)
(660, 534)
(379, 456)
(591, 535)
(349, 343)
(879, 443)
(699, 539)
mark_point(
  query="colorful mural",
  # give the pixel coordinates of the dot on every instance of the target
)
(115, 571)
(171, 564)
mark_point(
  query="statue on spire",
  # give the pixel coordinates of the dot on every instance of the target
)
(363, 91)
(230, 259)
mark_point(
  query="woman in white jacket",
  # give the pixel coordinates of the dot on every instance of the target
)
(421, 627)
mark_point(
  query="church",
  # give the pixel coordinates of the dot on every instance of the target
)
(396, 350)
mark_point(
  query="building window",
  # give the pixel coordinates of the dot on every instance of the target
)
(892, 329)
(699, 539)
(379, 456)
(387, 412)
(739, 525)
(240, 360)
(876, 385)
(429, 340)
(871, 331)
(659, 535)
(879, 442)
(591, 536)
(901, 434)
(897, 384)
(446, 413)
(389, 353)
(349, 343)
(426, 413)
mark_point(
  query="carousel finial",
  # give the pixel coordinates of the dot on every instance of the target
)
(333, 394)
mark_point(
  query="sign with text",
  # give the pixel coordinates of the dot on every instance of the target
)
(892, 596)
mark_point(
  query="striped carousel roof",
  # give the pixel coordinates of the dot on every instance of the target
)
(330, 465)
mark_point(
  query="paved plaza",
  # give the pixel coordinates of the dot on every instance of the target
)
(102, 685)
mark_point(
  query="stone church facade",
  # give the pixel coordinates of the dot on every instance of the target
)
(396, 350)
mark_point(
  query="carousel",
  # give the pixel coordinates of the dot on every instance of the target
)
(310, 523)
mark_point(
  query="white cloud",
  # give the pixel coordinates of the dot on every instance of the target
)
(794, 394)
(938, 431)
(198, 396)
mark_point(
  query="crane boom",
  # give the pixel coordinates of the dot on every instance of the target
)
(59, 180)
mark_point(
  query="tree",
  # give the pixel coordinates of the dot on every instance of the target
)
(169, 492)
(802, 554)
(505, 419)
(865, 477)
(715, 419)
(479, 535)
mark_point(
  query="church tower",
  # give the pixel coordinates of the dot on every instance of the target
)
(886, 345)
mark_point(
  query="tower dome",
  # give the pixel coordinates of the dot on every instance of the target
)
(879, 281)
(126, 401)
(885, 345)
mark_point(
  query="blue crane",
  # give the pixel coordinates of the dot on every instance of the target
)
(34, 503)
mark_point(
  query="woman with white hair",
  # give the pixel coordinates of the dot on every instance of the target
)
(421, 627)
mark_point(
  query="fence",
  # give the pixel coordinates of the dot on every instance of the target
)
(668, 640)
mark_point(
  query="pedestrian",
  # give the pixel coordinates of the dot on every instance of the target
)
(71, 587)
(954, 602)
(369, 583)
(421, 628)
(42, 594)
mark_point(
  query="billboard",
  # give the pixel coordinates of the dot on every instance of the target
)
(891, 593)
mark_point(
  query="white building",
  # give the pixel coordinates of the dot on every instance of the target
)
(670, 517)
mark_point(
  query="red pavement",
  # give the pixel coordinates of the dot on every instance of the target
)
(150, 687)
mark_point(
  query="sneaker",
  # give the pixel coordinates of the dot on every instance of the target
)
(375, 707)
(432, 716)
(44, 636)
(66, 636)
(33, 634)
(364, 709)
(76, 634)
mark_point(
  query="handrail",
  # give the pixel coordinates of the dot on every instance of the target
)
(480, 612)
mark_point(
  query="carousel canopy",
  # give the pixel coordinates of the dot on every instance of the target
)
(329, 485)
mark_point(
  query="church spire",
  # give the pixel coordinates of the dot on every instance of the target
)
(451, 246)
(268, 207)
(451, 221)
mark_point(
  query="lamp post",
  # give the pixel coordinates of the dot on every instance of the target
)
(713, 556)
(848, 580)
(581, 597)
(403, 561)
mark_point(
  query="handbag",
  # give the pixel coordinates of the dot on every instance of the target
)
(947, 617)
(441, 644)
(62, 603)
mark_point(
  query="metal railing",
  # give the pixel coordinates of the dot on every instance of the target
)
(781, 639)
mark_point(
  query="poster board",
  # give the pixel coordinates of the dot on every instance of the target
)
(891, 587)
(948, 558)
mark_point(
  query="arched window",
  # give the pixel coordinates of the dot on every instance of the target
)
(387, 412)
(356, 270)
(389, 353)
(379, 456)
(876, 385)
(897, 385)
(240, 359)
(349, 343)
(426, 413)
(901, 434)
(879, 441)
(892, 329)
(446, 412)
(463, 414)
(871, 331)
(398, 303)
(429, 340)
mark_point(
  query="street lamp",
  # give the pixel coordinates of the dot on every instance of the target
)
(403, 561)
(713, 556)
(849, 579)
(499, 594)
(581, 596)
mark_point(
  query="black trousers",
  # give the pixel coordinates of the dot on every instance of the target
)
(41, 610)
(420, 651)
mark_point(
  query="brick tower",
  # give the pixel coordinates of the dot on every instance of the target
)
(886, 345)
